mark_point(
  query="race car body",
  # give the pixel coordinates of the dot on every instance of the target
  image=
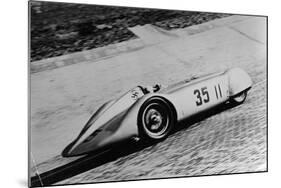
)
(152, 115)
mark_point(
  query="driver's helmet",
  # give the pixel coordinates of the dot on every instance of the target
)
(151, 89)
(156, 87)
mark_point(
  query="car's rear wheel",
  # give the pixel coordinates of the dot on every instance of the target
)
(155, 119)
(240, 98)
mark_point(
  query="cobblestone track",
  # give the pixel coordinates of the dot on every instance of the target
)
(233, 141)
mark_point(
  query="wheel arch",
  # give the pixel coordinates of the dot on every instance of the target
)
(239, 81)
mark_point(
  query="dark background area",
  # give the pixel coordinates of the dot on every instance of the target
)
(62, 28)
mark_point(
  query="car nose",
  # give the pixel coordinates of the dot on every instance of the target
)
(90, 144)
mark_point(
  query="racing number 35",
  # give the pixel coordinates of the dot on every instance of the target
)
(202, 96)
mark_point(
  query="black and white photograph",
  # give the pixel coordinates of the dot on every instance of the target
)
(122, 93)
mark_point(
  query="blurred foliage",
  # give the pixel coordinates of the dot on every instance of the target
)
(61, 28)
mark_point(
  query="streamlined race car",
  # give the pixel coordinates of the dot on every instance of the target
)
(151, 114)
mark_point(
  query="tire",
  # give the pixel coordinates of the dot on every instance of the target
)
(239, 98)
(156, 119)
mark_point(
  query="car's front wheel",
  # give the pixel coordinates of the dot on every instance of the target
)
(155, 119)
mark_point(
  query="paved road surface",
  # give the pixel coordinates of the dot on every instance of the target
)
(233, 140)
(229, 142)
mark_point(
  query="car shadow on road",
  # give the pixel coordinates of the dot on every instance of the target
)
(95, 160)
(190, 121)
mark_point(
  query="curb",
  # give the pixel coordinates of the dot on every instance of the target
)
(84, 56)
(126, 46)
(222, 22)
